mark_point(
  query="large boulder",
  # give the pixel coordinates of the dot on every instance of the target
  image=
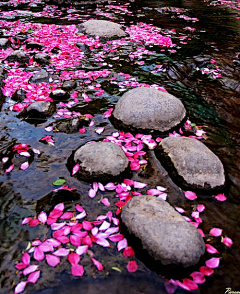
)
(164, 233)
(106, 30)
(149, 109)
(40, 77)
(38, 111)
(100, 160)
(192, 164)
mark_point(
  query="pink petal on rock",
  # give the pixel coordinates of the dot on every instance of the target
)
(128, 252)
(201, 232)
(213, 262)
(38, 254)
(211, 249)
(61, 252)
(190, 284)
(8, 170)
(52, 260)
(170, 287)
(198, 277)
(25, 153)
(153, 192)
(30, 269)
(82, 249)
(180, 210)
(122, 244)
(73, 258)
(52, 242)
(221, 197)
(20, 287)
(33, 222)
(57, 226)
(81, 215)
(79, 208)
(116, 238)
(91, 193)
(77, 270)
(42, 217)
(67, 215)
(132, 266)
(110, 186)
(190, 195)
(227, 241)
(26, 258)
(24, 165)
(33, 277)
(216, 232)
(87, 225)
(139, 185)
(103, 242)
(63, 239)
(75, 169)
(59, 206)
(99, 130)
(20, 266)
(25, 221)
(105, 201)
(206, 270)
(98, 264)
(104, 226)
(55, 213)
(200, 207)
(75, 240)
(162, 189)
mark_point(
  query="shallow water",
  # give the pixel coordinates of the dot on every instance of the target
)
(211, 103)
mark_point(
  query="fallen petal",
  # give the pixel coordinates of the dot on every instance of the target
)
(61, 252)
(33, 277)
(77, 270)
(213, 262)
(98, 264)
(38, 254)
(73, 258)
(52, 260)
(24, 165)
(190, 195)
(122, 244)
(170, 287)
(20, 287)
(106, 202)
(227, 241)
(216, 232)
(42, 217)
(221, 197)
(200, 207)
(132, 266)
(198, 277)
(82, 249)
(75, 169)
(211, 249)
(30, 269)
(8, 170)
(206, 270)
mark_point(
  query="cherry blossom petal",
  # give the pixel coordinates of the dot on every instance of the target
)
(190, 195)
(180, 210)
(116, 237)
(73, 258)
(82, 249)
(25, 221)
(8, 170)
(26, 258)
(110, 186)
(38, 254)
(103, 242)
(57, 226)
(170, 287)
(33, 277)
(198, 277)
(87, 225)
(122, 244)
(33, 222)
(216, 232)
(200, 207)
(61, 252)
(128, 252)
(213, 262)
(227, 241)
(211, 249)
(75, 169)
(75, 240)
(221, 197)
(59, 206)
(20, 287)
(106, 202)
(190, 284)
(81, 215)
(98, 264)
(91, 193)
(77, 270)
(132, 266)
(104, 226)
(42, 217)
(52, 260)
(139, 185)
(67, 215)
(206, 270)
(30, 269)
(24, 165)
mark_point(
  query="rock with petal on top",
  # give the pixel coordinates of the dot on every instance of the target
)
(163, 232)
(191, 163)
(149, 109)
(100, 160)
(106, 30)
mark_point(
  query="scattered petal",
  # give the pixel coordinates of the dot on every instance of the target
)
(206, 270)
(211, 249)
(98, 264)
(42, 217)
(20, 287)
(216, 232)
(190, 195)
(30, 269)
(82, 249)
(227, 241)
(213, 262)
(132, 266)
(75, 169)
(105, 201)
(61, 252)
(198, 277)
(73, 258)
(52, 260)
(221, 197)
(122, 244)
(77, 270)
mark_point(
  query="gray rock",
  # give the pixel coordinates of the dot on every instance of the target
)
(19, 95)
(103, 28)
(163, 231)
(42, 58)
(81, 46)
(40, 77)
(71, 125)
(192, 163)
(100, 160)
(18, 56)
(69, 85)
(149, 109)
(34, 45)
(40, 109)
(4, 43)
(59, 95)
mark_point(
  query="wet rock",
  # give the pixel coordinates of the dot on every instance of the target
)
(21, 37)
(100, 160)
(40, 77)
(34, 45)
(105, 29)
(19, 95)
(81, 46)
(59, 95)
(71, 125)
(18, 56)
(69, 85)
(38, 110)
(42, 58)
(192, 164)
(4, 43)
(164, 233)
(149, 109)
(229, 83)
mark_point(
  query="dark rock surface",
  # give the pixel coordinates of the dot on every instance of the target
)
(39, 110)
(42, 58)
(59, 95)
(39, 77)
(69, 85)
(4, 43)
(163, 231)
(18, 56)
(149, 109)
(71, 125)
(34, 45)
(102, 160)
(192, 163)
(105, 29)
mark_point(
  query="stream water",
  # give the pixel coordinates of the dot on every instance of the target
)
(212, 103)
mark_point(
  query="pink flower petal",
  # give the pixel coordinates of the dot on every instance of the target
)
(30, 269)
(128, 252)
(52, 242)
(198, 277)
(116, 237)
(8, 170)
(52, 260)
(103, 242)
(82, 249)
(57, 226)
(201, 232)
(75, 240)
(213, 262)
(87, 225)
(122, 244)
(132, 266)
(42, 217)
(110, 186)
(91, 193)
(206, 270)
(105, 201)
(180, 210)
(79, 208)
(59, 206)
(55, 213)
(73, 258)
(211, 249)
(33, 277)
(227, 241)
(26, 258)
(25, 153)
(190, 195)
(200, 207)
(24, 165)
(221, 197)
(26, 220)
(139, 185)
(61, 252)
(99, 130)
(170, 287)
(38, 254)
(190, 284)
(20, 287)
(81, 215)
(98, 264)
(20, 266)
(67, 215)
(216, 232)
(75, 169)
(153, 192)
(77, 270)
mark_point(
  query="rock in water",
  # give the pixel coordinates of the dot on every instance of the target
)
(106, 30)
(40, 77)
(149, 109)
(38, 111)
(191, 163)
(164, 233)
(100, 160)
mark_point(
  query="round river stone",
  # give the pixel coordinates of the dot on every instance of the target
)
(100, 160)
(149, 109)
(40, 109)
(164, 233)
(103, 28)
(192, 163)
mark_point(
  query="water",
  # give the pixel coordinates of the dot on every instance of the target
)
(213, 104)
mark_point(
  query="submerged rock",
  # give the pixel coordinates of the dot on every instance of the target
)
(191, 163)
(102, 160)
(164, 233)
(103, 28)
(59, 95)
(40, 77)
(71, 125)
(149, 109)
(38, 110)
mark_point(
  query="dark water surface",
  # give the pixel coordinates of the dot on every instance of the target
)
(212, 104)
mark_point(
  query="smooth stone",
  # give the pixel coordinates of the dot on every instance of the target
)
(34, 45)
(149, 109)
(103, 28)
(18, 56)
(40, 77)
(69, 85)
(71, 125)
(40, 109)
(42, 58)
(164, 233)
(4, 43)
(100, 160)
(59, 95)
(192, 163)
